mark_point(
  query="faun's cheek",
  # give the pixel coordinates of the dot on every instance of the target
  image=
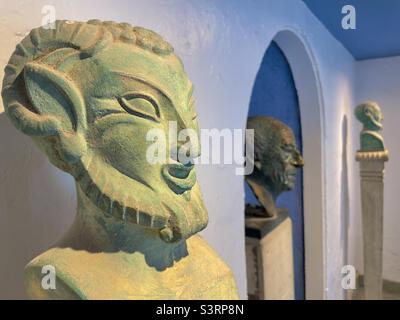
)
(125, 147)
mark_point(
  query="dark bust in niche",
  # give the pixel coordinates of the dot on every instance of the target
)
(276, 159)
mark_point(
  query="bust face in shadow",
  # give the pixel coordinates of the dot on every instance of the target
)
(89, 102)
(276, 156)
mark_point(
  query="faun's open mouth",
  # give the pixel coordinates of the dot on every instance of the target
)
(179, 177)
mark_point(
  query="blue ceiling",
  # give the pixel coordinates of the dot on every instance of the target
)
(377, 32)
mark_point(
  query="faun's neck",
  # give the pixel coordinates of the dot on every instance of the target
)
(94, 230)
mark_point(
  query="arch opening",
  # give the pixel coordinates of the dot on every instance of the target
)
(307, 199)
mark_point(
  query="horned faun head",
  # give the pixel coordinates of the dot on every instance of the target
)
(88, 93)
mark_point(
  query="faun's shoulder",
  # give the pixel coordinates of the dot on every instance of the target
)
(80, 274)
(212, 268)
(46, 277)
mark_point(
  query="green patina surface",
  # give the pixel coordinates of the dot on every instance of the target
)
(370, 115)
(88, 93)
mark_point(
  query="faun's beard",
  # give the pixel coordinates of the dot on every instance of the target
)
(175, 216)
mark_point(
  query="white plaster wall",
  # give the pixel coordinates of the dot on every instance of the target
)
(221, 44)
(379, 80)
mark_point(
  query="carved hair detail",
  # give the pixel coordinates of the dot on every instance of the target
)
(44, 99)
(79, 36)
(38, 55)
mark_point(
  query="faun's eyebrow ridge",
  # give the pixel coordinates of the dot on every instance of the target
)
(146, 82)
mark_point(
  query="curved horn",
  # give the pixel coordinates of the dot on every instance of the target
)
(31, 123)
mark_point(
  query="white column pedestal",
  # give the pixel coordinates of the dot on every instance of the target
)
(371, 173)
(270, 260)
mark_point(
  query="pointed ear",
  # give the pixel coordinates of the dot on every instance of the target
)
(56, 97)
(52, 94)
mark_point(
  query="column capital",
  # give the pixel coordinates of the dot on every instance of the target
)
(372, 156)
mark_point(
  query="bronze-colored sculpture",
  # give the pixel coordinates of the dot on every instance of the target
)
(88, 93)
(276, 159)
(269, 238)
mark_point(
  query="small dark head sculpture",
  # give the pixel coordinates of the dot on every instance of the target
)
(370, 115)
(276, 159)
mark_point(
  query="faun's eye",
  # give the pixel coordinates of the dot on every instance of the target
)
(140, 105)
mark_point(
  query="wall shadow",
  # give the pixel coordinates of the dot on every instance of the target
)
(344, 195)
(306, 77)
(37, 204)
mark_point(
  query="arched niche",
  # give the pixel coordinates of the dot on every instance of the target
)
(307, 83)
(306, 78)
(274, 94)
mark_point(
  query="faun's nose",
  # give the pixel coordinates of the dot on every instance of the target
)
(188, 151)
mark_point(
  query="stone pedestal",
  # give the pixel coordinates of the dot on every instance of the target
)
(269, 256)
(371, 174)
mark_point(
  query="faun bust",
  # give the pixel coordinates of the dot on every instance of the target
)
(275, 158)
(370, 115)
(88, 93)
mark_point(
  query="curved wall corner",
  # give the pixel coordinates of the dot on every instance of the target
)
(274, 94)
(308, 87)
